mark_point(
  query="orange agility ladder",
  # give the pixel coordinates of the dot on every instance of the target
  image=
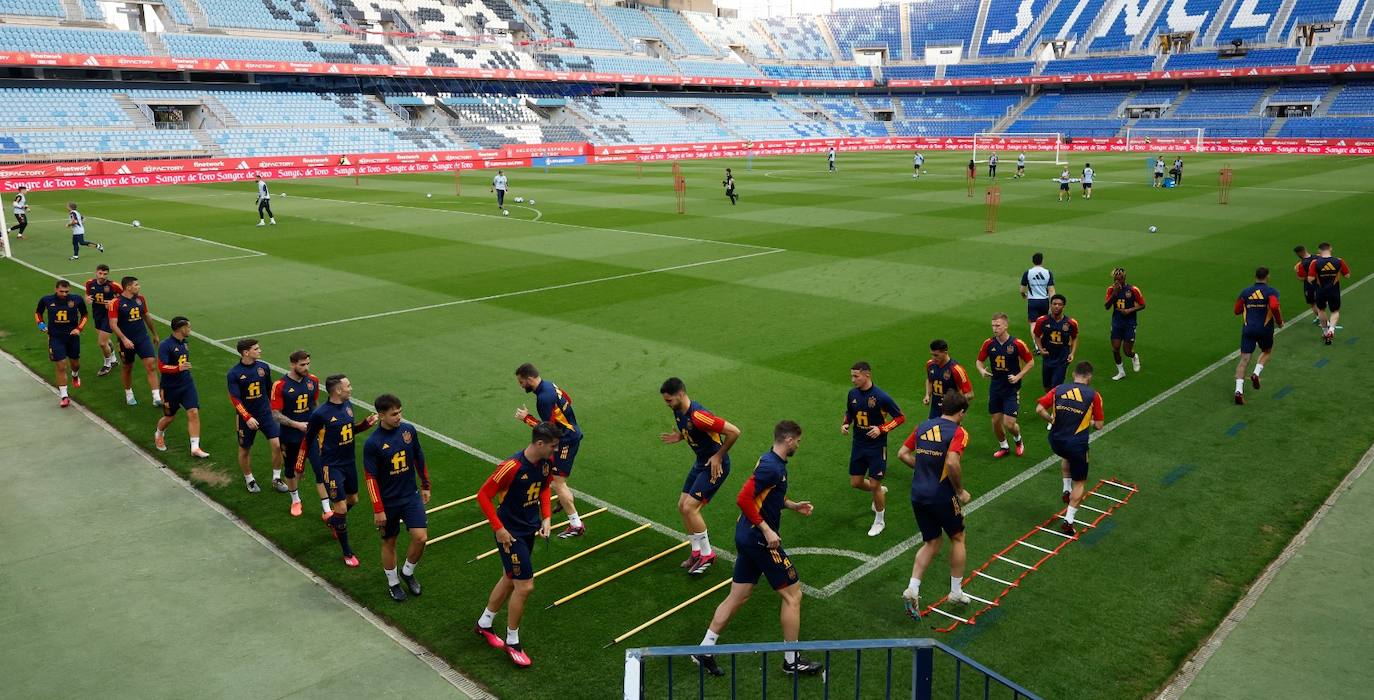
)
(1030, 551)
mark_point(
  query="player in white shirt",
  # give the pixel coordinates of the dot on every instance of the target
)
(21, 212)
(1064, 181)
(1159, 171)
(264, 203)
(992, 166)
(1037, 286)
(499, 185)
(830, 158)
(1021, 165)
(1087, 181)
(919, 162)
(77, 223)
(1178, 170)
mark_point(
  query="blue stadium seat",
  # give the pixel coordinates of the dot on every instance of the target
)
(727, 32)
(276, 15)
(32, 8)
(1006, 27)
(987, 70)
(572, 21)
(1344, 53)
(908, 72)
(1115, 64)
(1197, 16)
(1256, 57)
(1057, 25)
(1251, 27)
(1354, 98)
(634, 24)
(687, 40)
(800, 38)
(1328, 127)
(727, 69)
(881, 26)
(1220, 100)
(817, 72)
(92, 41)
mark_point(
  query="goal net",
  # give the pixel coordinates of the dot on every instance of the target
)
(1041, 147)
(1170, 140)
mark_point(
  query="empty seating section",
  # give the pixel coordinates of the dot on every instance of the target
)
(245, 48)
(1071, 19)
(687, 40)
(178, 12)
(727, 69)
(877, 104)
(1299, 94)
(639, 65)
(783, 130)
(574, 22)
(85, 143)
(731, 32)
(875, 27)
(634, 24)
(1328, 127)
(625, 109)
(467, 58)
(862, 129)
(1115, 64)
(818, 72)
(32, 8)
(255, 108)
(1096, 128)
(840, 108)
(487, 109)
(277, 15)
(1125, 25)
(1196, 16)
(681, 132)
(908, 72)
(1006, 26)
(734, 111)
(986, 70)
(279, 142)
(800, 39)
(1235, 128)
(1350, 53)
(1220, 100)
(990, 106)
(1256, 57)
(421, 15)
(1154, 97)
(1249, 22)
(44, 39)
(1354, 98)
(92, 10)
(940, 22)
(1077, 104)
(948, 127)
(33, 108)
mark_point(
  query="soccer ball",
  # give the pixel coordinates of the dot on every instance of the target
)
(505, 212)
(137, 224)
(283, 194)
(519, 200)
(531, 201)
(428, 195)
(1153, 229)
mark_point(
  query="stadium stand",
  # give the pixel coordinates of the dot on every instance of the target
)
(245, 48)
(1256, 57)
(32, 8)
(942, 127)
(1327, 127)
(95, 142)
(1006, 26)
(687, 40)
(726, 68)
(574, 22)
(1347, 53)
(276, 15)
(607, 64)
(1095, 128)
(1354, 98)
(1114, 64)
(726, 33)
(242, 143)
(1220, 100)
(1076, 104)
(868, 28)
(1083, 12)
(941, 24)
(990, 106)
(417, 55)
(14, 37)
(1250, 22)
(1197, 16)
(800, 38)
(983, 70)
(792, 72)
(38, 107)
(634, 25)
(909, 72)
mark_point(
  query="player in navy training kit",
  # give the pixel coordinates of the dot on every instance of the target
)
(762, 500)
(1258, 307)
(1056, 340)
(62, 316)
(1071, 409)
(944, 375)
(131, 323)
(1124, 301)
(1309, 290)
(710, 438)
(331, 429)
(100, 291)
(874, 415)
(1325, 273)
(935, 451)
(555, 406)
(1010, 360)
(250, 381)
(520, 487)
(293, 400)
(178, 387)
(392, 459)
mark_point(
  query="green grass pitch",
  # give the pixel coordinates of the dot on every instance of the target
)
(762, 308)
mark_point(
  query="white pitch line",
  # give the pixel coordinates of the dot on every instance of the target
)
(898, 550)
(830, 552)
(982, 181)
(175, 264)
(180, 235)
(505, 295)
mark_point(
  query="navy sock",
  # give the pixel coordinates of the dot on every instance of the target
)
(340, 525)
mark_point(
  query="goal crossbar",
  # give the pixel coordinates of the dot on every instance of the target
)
(1039, 147)
(1164, 139)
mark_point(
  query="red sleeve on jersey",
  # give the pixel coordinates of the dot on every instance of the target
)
(961, 379)
(1300, 271)
(983, 351)
(745, 501)
(1108, 302)
(1047, 400)
(704, 420)
(1039, 323)
(530, 420)
(117, 289)
(910, 442)
(275, 401)
(1312, 269)
(113, 308)
(960, 441)
(546, 501)
(1240, 306)
(144, 303)
(1097, 408)
(1345, 269)
(498, 482)
(1023, 351)
(892, 424)
(316, 381)
(374, 492)
(1139, 298)
(1073, 328)
(238, 407)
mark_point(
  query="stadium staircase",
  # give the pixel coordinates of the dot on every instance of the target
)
(156, 46)
(1125, 128)
(615, 29)
(1104, 16)
(1032, 40)
(137, 114)
(326, 14)
(1141, 44)
(1258, 109)
(1362, 24)
(197, 14)
(74, 10)
(1305, 55)
(1173, 107)
(830, 42)
(1000, 126)
(1222, 16)
(208, 143)
(975, 41)
(1160, 60)
(905, 14)
(1324, 106)
(1279, 20)
(221, 112)
(1276, 127)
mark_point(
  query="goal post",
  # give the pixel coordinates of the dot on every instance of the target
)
(1164, 140)
(1046, 147)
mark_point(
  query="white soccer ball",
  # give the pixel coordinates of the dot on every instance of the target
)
(1153, 229)
(428, 195)
(518, 200)
(531, 201)
(137, 224)
(283, 194)
(914, 176)
(505, 212)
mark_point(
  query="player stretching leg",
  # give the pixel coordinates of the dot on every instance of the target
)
(1070, 409)
(1010, 360)
(293, 400)
(1124, 301)
(762, 500)
(392, 459)
(178, 387)
(711, 438)
(63, 317)
(1326, 272)
(331, 427)
(875, 414)
(131, 323)
(935, 451)
(555, 406)
(100, 291)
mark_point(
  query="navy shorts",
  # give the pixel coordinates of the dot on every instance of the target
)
(1054, 370)
(515, 557)
(1004, 399)
(755, 561)
(289, 452)
(102, 321)
(412, 511)
(1329, 298)
(1063, 187)
(1123, 333)
(700, 485)
(143, 349)
(564, 456)
(62, 347)
(78, 239)
(1075, 455)
(1087, 186)
(934, 518)
(1249, 339)
(176, 398)
(868, 461)
(1035, 308)
(340, 482)
(268, 427)
(1309, 292)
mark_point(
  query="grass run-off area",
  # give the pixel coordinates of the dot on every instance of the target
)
(761, 308)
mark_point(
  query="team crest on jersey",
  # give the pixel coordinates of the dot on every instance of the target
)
(946, 374)
(71, 304)
(349, 411)
(310, 386)
(405, 436)
(872, 402)
(262, 372)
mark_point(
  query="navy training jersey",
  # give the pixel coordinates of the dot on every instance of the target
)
(332, 427)
(393, 460)
(866, 408)
(102, 293)
(949, 377)
(1258, 307)
(1005, 358)
(766, 492)
(1302, 268)
(296, 400)
(249, 388)
(702, 431)
(521, 487)
(62, 315)
(1056, 335)
(1328, 271)
(129, 314)
(1121, 298)
(171, 353)
(931, 442)
(1073, 407)
(555, 406)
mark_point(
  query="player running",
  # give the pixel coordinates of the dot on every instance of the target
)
(77, 223)
(1037, 286)
(265, 203)
(1070, 409)
(100, 291)
(710, 438)
(1020, 166)
(1325, 273)
(20, 207)
(331, 430)
(762, 500)
(874, 414)
(944, 375)
(131, 323)
(555, 406)
(1124, 301)
(1010, 360)
(935, 451)
(293, 400)
(1088, 173)
(250, 381)
(392, 459)
(520, 486)
(178, 387)
(1258, 305)
(500, 184)
(63, 316)
(729, 184)
(1055, 336)
(1309, 289)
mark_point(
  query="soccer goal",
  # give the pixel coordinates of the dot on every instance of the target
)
(1038, 147)
(1173, 140)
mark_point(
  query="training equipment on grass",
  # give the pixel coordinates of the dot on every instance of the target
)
(993, 200)
(555, 526)
(591, 549)
(1008, 567)
(137, 224)
(1042, 144)
(461, 530)
(519, 200)
(1153, 229)
(428, 195)
(531, 201)
(450, 504)
(680, 187)
(591, 587)
(1224, 186)
(663, 615)
(505, 212)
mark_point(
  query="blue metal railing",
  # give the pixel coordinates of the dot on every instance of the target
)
(922, 685)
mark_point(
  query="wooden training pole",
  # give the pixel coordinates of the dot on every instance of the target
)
(450, 504)
(970, 185)
(680, 187)
(493, 550)
(458, 183)
(1224, 186)
(589, 550)
(993, 200)
(616, 575)
(669, 611)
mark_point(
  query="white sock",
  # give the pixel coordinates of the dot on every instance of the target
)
(789, 656)
(295, 497)
(914, 584)
(1240, 386)
(248, 478)
(1068, 484)
(408, 568)
(1068, 517)
(710, 638)
(128, 394)
(1016, 438)
(160, 434)
(276, 474)
(487, 618)
(157, 395)
(1120, 367)
(705, 543)
(695, 539)
(512, 636)
(956, 584)
(109, 361)
(1002, 444)
(391, 578)
(1259, 367)
(573, 520)
(62, 391)
(324, 503)
(878, 516)
(195, 443)
(76, 374)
